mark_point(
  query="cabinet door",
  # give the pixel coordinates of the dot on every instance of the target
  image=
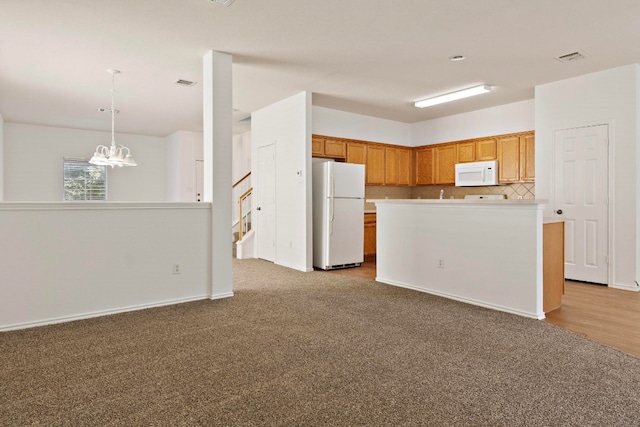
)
(445, 160)
(466, 152)
(356, 153)
(391, 166)
(424, 166)
(375, 165)
(528, 158)
(369, 234)
(509, 159)
(486, 149)
(334, 149)
(405, 169)
(317, 146)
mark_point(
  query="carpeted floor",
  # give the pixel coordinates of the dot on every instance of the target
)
(313, 349)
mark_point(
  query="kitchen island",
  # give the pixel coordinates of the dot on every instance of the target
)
(488, 253)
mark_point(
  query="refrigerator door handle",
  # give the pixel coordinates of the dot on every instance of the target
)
(333, 187)
(331, 216)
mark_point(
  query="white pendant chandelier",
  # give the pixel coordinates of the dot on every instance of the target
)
(115, 154)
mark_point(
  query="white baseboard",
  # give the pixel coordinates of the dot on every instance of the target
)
(64, 319)
(632, 288)
(465, 300)
(223, 295)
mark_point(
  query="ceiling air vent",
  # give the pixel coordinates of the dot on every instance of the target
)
(182, 82)
(571, 57)
(225, 3)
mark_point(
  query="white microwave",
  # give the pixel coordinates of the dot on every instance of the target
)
(475, 174)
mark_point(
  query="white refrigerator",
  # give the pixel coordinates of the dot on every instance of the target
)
(338, 215)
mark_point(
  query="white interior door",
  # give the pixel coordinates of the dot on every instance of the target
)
(581, 199)
(199, 180)
(265, 208)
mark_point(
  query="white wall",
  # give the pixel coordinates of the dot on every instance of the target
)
(1, 158)
(509, 118)
(356, 126)
(183, 149)
(491, 252)
(61, 261)
(287, 125)
(241, 156)
(33, 157)
(609, 97)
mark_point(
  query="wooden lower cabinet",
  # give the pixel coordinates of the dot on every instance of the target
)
(369, 234)
(552, 265)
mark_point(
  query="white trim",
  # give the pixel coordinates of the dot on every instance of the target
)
(632, 288)
(461, 299)
(101, 313)
(610, 185)
(60, 206)
(222, 295)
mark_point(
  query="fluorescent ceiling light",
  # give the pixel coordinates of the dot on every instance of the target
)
(465, 93)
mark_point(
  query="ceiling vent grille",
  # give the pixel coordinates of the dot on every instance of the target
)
(182, 82)
(225, 3)
(571, 57)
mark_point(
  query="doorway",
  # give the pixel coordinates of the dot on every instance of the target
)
(265, 206)
(581, 193)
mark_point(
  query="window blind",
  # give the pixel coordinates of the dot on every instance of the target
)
(84, 181)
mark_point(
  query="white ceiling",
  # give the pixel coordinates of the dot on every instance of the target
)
(373, 57)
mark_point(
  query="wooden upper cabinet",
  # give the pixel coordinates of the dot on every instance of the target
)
(356, 152)
(486, 149)
(467, 151)
(405, 166)
(391, 166)
(375, 166)
(424, 166)
(516, 158)
(446, 157)
(509, 159)
(528, 157)
(328, 147)
(317, 146)
(335, 149)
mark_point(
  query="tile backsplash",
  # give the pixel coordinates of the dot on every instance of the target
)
(524, 190)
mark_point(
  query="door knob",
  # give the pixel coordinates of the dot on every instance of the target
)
(559, 211)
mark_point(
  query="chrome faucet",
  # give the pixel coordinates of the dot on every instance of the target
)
(442, 194)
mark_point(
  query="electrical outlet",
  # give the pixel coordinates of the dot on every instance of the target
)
(176, 268)
(441, 263)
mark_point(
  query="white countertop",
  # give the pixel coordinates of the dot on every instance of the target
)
(460, 201)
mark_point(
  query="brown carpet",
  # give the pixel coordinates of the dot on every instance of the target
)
(313, 349)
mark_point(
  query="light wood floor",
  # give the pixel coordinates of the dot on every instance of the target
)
(606, 315)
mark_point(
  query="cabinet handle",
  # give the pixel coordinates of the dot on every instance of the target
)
(559, 211)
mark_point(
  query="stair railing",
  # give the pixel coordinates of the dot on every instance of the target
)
(237, 190)
(244, 208)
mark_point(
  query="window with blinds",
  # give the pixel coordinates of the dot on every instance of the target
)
(84, 181)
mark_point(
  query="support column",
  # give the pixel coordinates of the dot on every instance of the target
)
(217, 129)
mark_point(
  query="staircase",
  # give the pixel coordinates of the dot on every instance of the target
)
(241, 215)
